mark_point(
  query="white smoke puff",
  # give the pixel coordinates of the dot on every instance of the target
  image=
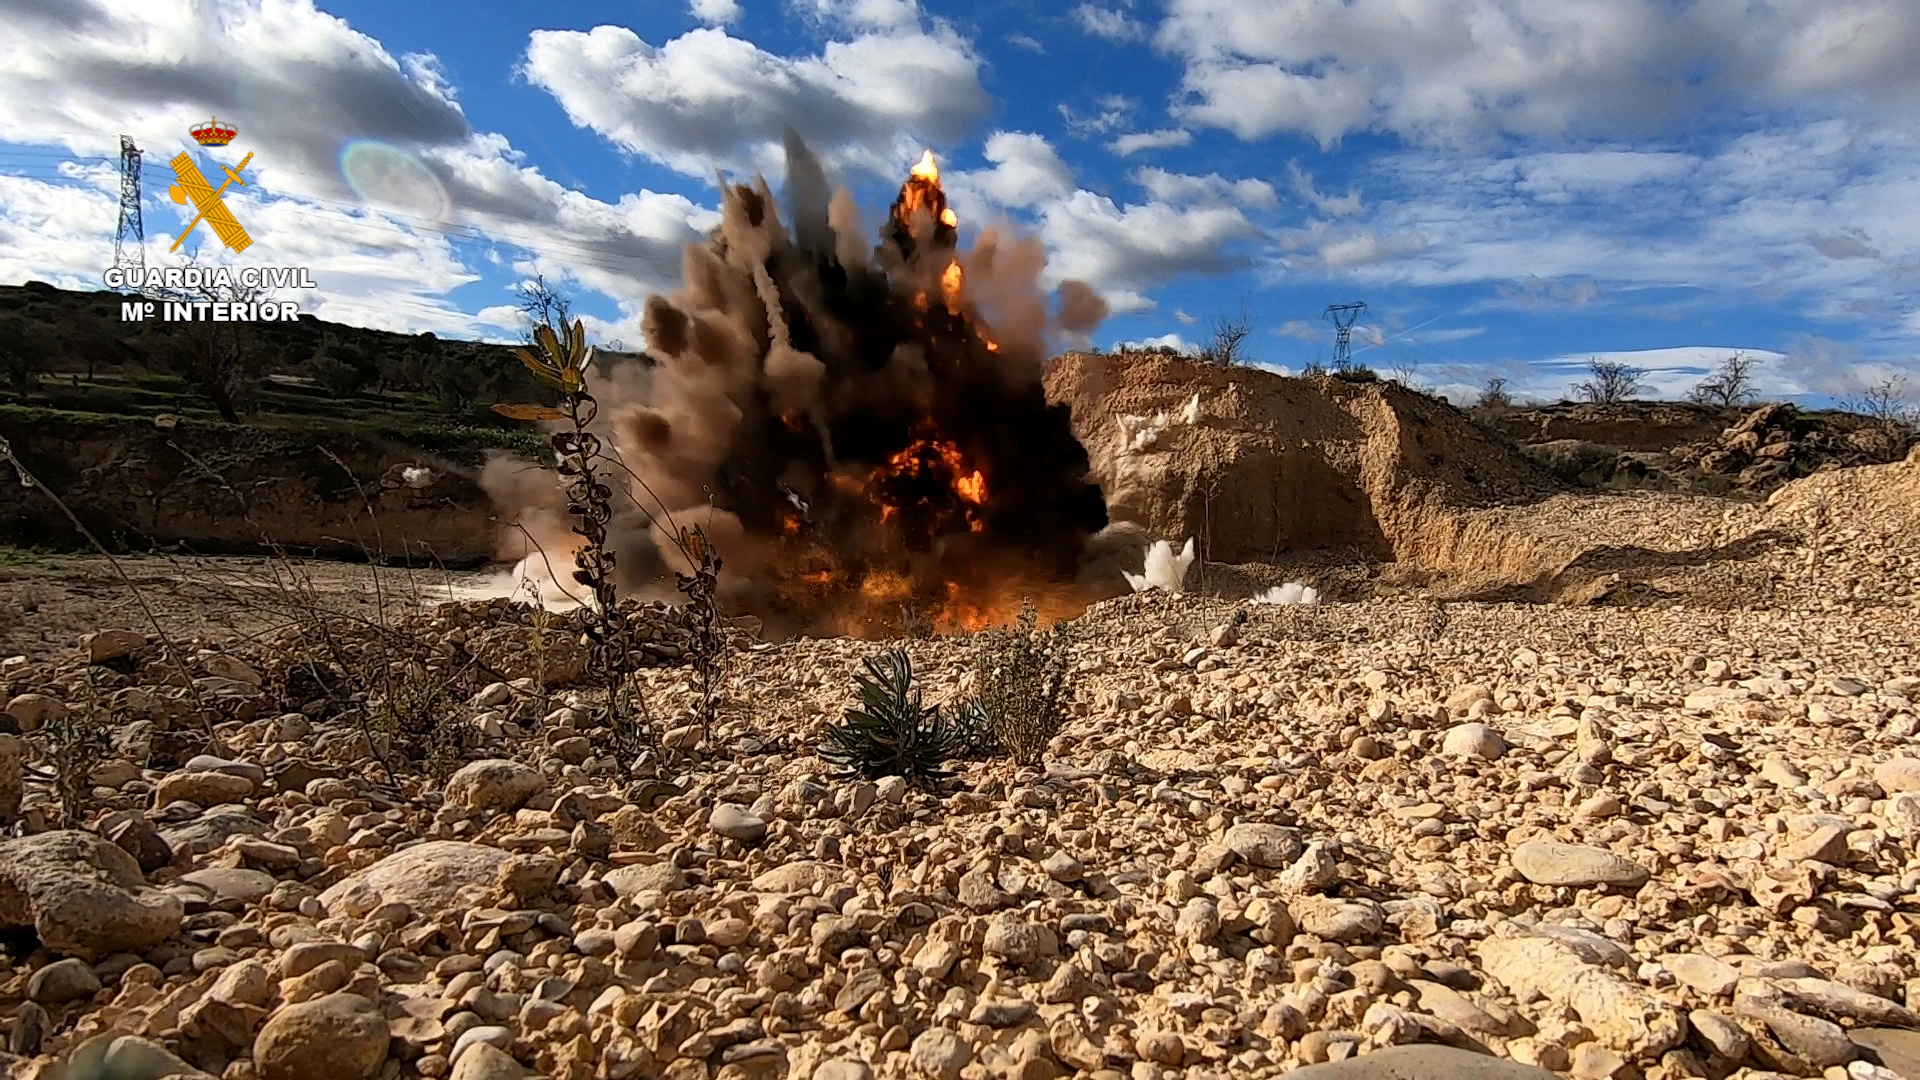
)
(1162, 569)
(531, 580)
(1140, 433)
(415, 476)
(1293, 592)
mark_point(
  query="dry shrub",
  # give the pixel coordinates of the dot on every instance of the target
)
(1021, 686)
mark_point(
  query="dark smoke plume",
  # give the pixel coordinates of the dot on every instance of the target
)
(859, 427)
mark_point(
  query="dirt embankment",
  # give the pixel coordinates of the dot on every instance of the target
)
(1274, 465)
(1265, 468)
(226, 489)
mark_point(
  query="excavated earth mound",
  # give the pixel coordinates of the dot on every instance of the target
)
(1275, 465)
(1320, 472)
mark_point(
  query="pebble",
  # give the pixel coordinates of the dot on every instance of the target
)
(1551, 862)
(735, 822)
(1474, 740)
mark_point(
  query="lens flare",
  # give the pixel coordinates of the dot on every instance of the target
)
(386, 177)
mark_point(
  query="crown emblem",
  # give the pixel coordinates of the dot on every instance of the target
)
(214, 133)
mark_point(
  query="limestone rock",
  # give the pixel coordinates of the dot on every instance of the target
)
(1271, 846)
(1703, 973)
(1474, 741)
(495, 784)
(940, 1053)
(138, 838)
(1550, 862)
(34, 711)
(335, 1037)
(735, 822)
(1898, 774)
(1898, 1050)
(83, 895)
(1719, 1031)
(1350, 921)
(439, 875)
(63, 981)
(106, 646)
(1422, 1062)
(655, 877)
(485, 1061)
(128, 1057)
(795, 877)
(1622, 1015)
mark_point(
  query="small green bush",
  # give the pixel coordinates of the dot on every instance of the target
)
(892, 732)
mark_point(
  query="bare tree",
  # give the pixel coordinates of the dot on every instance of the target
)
(1229, 337)
(1895, 418)
(543, 305)
(1885, 401)
(1494, 395)
(1612, 382)
(1731, 383)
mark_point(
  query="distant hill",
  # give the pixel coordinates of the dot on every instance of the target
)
(206, 436)
(69, 350)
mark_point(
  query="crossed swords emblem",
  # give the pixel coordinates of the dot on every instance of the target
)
(194, 186)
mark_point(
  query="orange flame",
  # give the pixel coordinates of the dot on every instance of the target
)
(922, 192)
(971, 487)
(950, 281)
(940, 457)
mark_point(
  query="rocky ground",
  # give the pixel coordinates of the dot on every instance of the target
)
(47, 601)
(1387, 838)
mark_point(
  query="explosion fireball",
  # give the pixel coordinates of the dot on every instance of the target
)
(860, 429)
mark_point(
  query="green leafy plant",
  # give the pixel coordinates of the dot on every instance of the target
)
(1021, 683)
(974, 724)
(892, 732)
(560, 362)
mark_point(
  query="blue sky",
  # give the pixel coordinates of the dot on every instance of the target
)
(1510, 185)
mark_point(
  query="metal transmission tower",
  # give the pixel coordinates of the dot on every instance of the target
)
(131, 226)
(1343, 316)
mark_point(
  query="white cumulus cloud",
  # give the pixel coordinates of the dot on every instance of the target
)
(707, 97)
(1164, 139)
(1108, 23)
(1457, 72)
(1186, 188)
(715, 12)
